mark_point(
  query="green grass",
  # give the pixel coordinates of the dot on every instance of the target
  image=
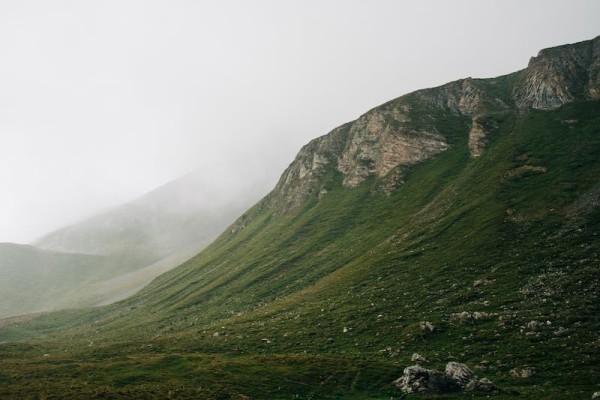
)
(324, 302)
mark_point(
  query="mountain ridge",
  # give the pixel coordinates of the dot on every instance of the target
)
(485, 252)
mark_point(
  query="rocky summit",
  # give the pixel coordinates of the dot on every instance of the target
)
(456, 228)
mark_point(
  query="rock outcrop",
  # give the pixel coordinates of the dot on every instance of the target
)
(382, 140)
(560, 75)
(459, 373)
(416, 379)
(456, 377)
(390, 139)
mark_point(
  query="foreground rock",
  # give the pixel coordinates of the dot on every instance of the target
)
(459, 373)
(456, 377)
(416, 379)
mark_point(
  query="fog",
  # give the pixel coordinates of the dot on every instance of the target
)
(101, 101)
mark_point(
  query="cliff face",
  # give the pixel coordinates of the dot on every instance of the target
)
(560, 75)
(406, 131)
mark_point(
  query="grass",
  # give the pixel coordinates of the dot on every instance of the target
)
(325, 302)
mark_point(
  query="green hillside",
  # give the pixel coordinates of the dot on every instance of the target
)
(460, 222)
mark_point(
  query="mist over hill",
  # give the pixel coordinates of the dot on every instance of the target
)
(445, 243)
(114, 254)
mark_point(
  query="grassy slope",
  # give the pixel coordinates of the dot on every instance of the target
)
(280, 292)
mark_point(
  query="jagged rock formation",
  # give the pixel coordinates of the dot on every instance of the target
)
(385, 141)
(560, 75)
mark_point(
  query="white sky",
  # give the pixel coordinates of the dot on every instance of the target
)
(101, 101)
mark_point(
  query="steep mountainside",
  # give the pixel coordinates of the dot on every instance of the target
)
(114, 254)
(460, 222)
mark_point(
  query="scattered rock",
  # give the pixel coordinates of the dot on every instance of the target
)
(459, 372)
(416, 379)
(471, 316)
(534, 325)
(560, 331)
(416, 357)
(482, 282)
(456, 377)
(481, 385)
(522, 373)
(426, 326)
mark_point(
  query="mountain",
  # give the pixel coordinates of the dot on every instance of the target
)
(114, 254)
(453, 224)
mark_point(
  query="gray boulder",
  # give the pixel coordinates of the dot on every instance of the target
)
(416, 379)
(459, 372)
(481, 385)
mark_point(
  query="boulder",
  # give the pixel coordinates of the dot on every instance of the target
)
(417, 358)
(456, 377)
(459, 372)
(481, 385)
(416, 379)
(522, 373)
(426, 326)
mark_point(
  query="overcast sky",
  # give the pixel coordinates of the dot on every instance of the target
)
(101, 101)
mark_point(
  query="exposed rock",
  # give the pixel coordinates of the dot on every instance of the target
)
(457, 376)
(426, 326)
(388, 140)
(482, 126)
(416, 379)
(534, 325)
(471, 316)
(459, 372)
(380, 141)
(560, 75)
(483, 282)
(526, 170)
(417, 358)
(522, 373)
(481, 385)
(464, 97)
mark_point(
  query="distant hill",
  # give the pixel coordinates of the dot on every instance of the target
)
(113, 254)
(32, 279)
(460, 222)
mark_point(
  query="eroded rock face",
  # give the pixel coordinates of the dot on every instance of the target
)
(393, 137)
(477, 137)
(303, 177)
(464, 97)
(560, 75)
(380, 141)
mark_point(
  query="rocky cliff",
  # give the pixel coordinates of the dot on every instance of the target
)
(390, 138)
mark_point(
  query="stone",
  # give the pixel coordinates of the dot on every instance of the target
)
(426, 326)
(481, 385)
(596, 396)
(522, 373)
(417, 358)
(534, 325)
(416, 379)
(459, 372)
